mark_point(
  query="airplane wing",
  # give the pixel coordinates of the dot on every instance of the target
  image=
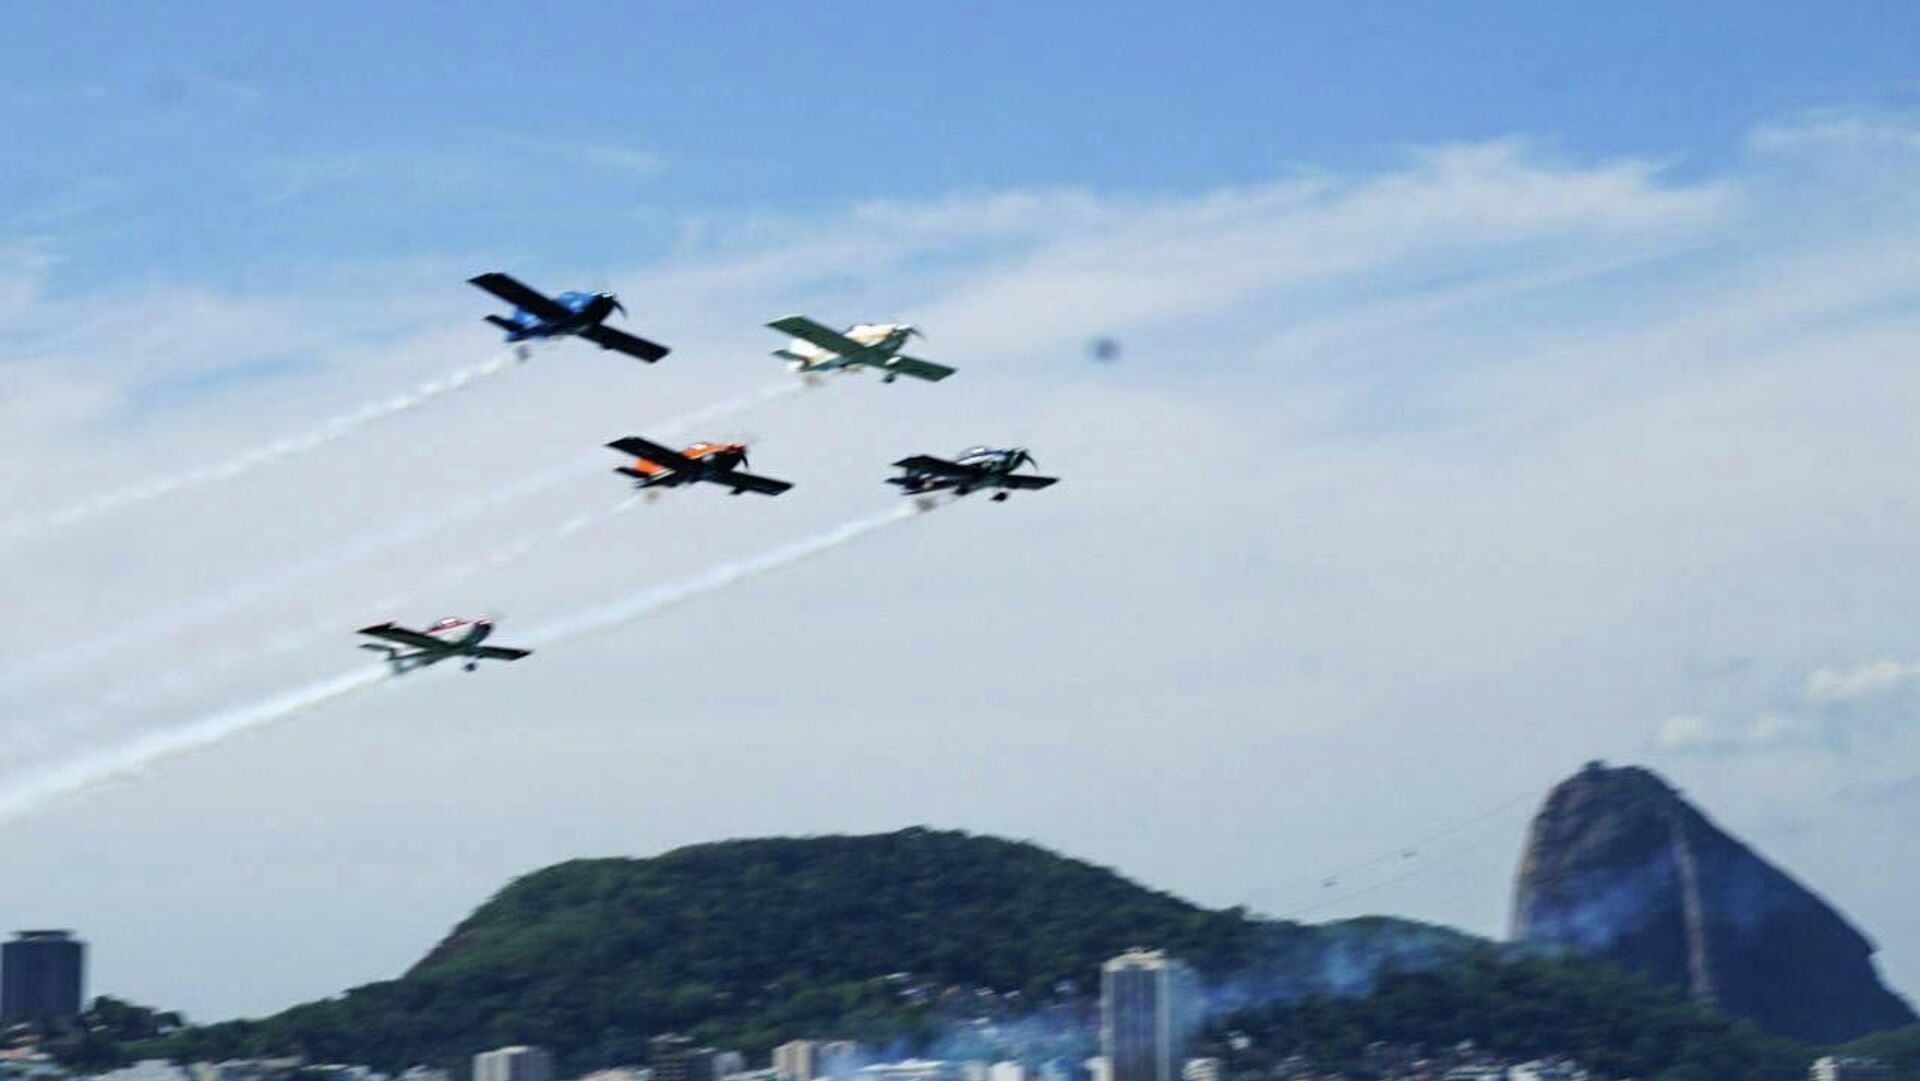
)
(621, 342)
(919, 369)
(654, 452)
(500, 653)
(1027, 480)
(927, 463)
(809, 331)
(520, 295)
(763, 485)
(395, 633)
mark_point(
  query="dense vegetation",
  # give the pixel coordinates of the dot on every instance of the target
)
(100, 1036)
(748, 943)
(1899, 1048)
(1525, 1007)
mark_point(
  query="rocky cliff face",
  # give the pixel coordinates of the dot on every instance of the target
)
(1618, 865)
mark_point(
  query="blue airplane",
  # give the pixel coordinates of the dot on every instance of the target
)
(536, 315)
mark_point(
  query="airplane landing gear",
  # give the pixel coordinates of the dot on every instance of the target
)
(999, 497)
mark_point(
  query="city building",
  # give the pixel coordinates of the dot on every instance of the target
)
(248, 1069)
(912, 1069)
(1148, 1008)
(145, 1070)
(1831, 1068)
(675, 1058)
(728, 1063)
(42, 976)
(1007, 1071)
(1203, 1069)
(513, 1064)
(837, 1059)
(334, 1071)
(797, 1060)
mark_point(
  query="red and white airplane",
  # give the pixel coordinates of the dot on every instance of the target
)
(451, 637)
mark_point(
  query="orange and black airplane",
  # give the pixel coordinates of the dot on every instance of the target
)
(656, 466)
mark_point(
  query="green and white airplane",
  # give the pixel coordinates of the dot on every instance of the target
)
(816, 349)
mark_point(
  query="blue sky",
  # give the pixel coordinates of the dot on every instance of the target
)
(229, 143)
(1563, 354)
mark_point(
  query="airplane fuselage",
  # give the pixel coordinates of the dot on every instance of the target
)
(995, 465)
(713, 459)
(882, 341)
(460, 636)
(587, 310)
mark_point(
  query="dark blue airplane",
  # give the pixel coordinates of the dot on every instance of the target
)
(536, 315)
(973, 468)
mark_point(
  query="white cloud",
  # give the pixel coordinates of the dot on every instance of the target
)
(1828, 129)
(1874, 680)
(1690, 733)
(633, 161)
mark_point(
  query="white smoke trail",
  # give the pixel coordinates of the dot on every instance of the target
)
(247, 461)
(651, 601)
(773, 392)
(183, 679)
(108, 764)
(69, 658)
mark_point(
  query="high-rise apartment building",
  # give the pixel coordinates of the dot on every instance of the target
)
(42, 976)
(513, 1064)
(797, 1060)
(1148, 1006)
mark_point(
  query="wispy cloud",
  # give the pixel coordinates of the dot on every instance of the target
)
(1830, 128)
(1830, 710)
(633, 161)
(1689, 733)
(1864, 682)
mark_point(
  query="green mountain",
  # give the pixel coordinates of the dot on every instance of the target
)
(1519, 1006)
(749, 943)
